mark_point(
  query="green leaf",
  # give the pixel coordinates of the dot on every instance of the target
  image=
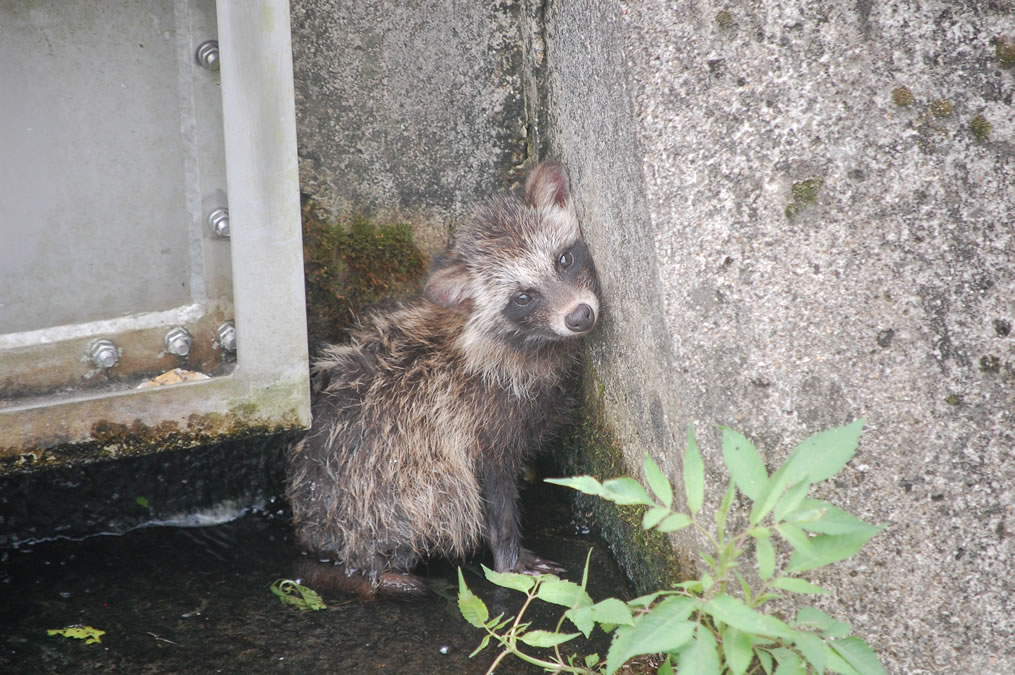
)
(653, 517)
(738, 650)
(812, 617)
(702, 656)
(512, 580)
(789, 663)
(658, 631)
(764, 552)
(90, 635)
(645, 600)
(482, 645)
(770, 496)
(472, 608)
(674, 522)
(826, 549)
(796, 538)
(724, 509)
(563, 593)
(610, 611)
(791, 500)
(824, 454)
(859, 655)
(734, 612)
(797, 586)
(545, 638)
(745, 588)
(765, 659)
(625, 491)
(658, 482)
(691, 586)
(813, 649)
(744, 463)
(586, 484)
(591, 660)
(297, 595)
(837, 664)
(666, 668)
(815, 515)
(694, 474)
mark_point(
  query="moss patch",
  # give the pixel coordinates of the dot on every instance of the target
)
(352, 265)
(1004, 51)
(804, 194)
(941, 108)
(902, 96)
(980, 128)
(724, 19)
(591, 447)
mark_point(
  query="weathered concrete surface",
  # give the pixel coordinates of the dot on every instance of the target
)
(408, 111)
(891, 296)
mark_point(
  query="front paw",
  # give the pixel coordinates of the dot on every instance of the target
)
(530, 563)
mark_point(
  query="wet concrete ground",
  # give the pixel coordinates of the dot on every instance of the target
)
(197, 600)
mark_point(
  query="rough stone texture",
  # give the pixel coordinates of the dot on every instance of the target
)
(885, 288)
(408, 111)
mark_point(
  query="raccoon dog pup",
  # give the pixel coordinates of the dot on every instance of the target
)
(422, 422)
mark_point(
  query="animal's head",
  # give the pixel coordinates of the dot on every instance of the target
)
(521, 270)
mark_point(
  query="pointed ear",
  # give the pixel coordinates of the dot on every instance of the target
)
(547, 185)
(448, 283)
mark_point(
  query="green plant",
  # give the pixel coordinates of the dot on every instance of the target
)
(297, 595)
(716, 623)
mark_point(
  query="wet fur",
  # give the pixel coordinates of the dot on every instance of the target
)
(421, 423)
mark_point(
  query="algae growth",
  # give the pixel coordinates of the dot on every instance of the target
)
(352, 265)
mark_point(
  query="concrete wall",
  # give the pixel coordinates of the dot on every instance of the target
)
(891, 296)
(732, 298)
(408, 111)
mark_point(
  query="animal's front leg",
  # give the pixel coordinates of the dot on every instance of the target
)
(503, 528)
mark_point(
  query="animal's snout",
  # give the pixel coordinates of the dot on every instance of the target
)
(581, 319)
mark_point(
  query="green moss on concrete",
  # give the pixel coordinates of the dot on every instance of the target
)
(941, 108)
(1004, 51)
(647, 558)
(350, 266)
(724, 19)
(804, 194)
(902, 96)
(980, 128)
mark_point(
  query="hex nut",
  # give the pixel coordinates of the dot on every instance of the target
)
(227, 336)
(104, 354)
(218, 221)
(178, 341)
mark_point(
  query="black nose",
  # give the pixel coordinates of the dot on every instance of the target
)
(580, 319)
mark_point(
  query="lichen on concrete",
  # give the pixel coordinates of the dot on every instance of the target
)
(902, 97)
(980, 128)
(803, 193)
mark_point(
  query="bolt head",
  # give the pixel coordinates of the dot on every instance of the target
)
(178, 341)
(227, 336)
(104, 354)
(218, 221)
(208, 55)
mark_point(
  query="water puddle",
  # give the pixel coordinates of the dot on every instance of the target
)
(183, 598)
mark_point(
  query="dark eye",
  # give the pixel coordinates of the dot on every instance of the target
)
(522, 299)
(565, 260)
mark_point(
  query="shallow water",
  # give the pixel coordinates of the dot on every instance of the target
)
(197, 600)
